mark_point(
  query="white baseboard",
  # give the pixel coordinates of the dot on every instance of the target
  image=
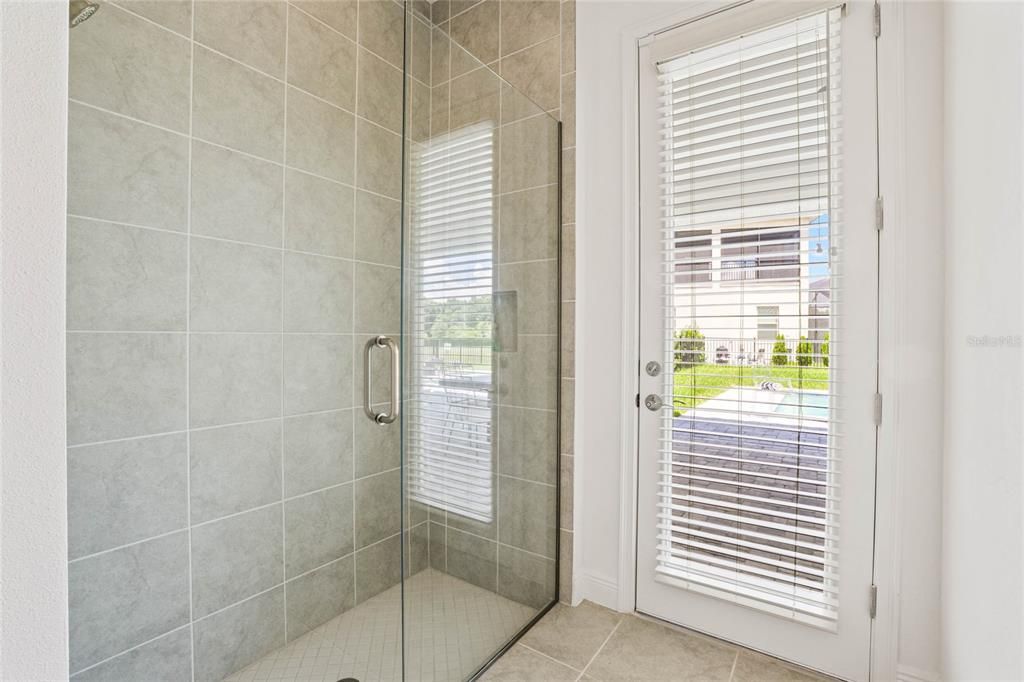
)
(598, 590)
(908, 673)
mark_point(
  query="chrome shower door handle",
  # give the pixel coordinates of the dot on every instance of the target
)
(394, 408)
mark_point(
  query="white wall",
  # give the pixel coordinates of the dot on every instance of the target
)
(982, 568)
(914, 295)
(33, 507)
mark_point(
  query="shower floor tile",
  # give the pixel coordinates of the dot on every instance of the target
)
(453, 627)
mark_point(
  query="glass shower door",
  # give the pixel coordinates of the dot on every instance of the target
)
(480, 340)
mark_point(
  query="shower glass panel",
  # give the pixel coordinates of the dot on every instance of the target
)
(312, 345)
(480, 329)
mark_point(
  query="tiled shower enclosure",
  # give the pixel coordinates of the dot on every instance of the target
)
(255, 191)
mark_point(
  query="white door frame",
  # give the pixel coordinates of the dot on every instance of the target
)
(892, 167)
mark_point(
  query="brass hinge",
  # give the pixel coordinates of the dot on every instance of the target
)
(878, 409)
(878, 19)
(873, 605)
(879, 213)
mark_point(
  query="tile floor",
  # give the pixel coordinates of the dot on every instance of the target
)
(453, 627)
(589, 642)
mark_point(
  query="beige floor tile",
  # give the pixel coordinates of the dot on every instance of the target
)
(641, 650)
(520, 664)
(751, 667)
(572, 635)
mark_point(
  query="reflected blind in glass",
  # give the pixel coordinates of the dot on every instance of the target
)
(749, 481)
(452, 242)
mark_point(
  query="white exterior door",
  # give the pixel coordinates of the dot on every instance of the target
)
(758, 330)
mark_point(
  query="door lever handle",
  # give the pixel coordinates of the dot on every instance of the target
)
(394, 409)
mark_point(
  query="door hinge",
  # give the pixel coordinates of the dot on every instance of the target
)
(878, 19)
(878, 409)
(873, 604)
(638, 400)
(879, 213)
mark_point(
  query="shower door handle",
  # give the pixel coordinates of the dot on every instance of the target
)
(394, 408)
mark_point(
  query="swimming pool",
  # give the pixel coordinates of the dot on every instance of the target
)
(804, 404)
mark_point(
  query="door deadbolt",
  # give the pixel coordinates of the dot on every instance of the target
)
(653, 368)
(653, 402)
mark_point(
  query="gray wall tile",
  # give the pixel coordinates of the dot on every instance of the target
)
(338, 14)
(173, 14)
(126, 171)
(477, 30)
(235, 196)
(232, 639)
(378, 446)
(535, 284)
(378, 568)
(318, 529)
(167, 659)
(317, 373)
(317, 597)
(123, 598)
(317, 451)
(235, 106)
(378, 513)
(251, 32)
(534, 72)
(320, 60)
(126, 64)
(380, 91)
(234, 378)
(321, 137)
(527, 516)
(318, 215)
(526, 377)
(124, 278)
(317, 294)
(526, 578)
(125, 491)
(528, 154)
(473, 559)
(234, 287)
(378, 235)
(437, 546)
(122, 385)
(527, 22)
(381, 154)
(234, 468)
(378, 291)
(527, 443)
(417, 541)
(235, 558)
(475, 98)
(382, 29)
(529, 225)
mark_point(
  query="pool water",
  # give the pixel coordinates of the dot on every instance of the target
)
(804, 404)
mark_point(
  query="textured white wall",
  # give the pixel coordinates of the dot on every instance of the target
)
(982, 566)
(33, 507)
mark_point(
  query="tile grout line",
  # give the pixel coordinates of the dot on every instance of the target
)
(355, 353)
(550, 658)
(607, 639)
(732, 670)
(188, 345)
(284, 265)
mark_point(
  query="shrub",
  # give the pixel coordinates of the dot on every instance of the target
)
(804, 352)
(824, 350)
(780, 351)
(688, 350)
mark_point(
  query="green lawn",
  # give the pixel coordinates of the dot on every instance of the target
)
(694, 385)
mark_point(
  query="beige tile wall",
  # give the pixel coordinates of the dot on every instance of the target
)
(531, 44)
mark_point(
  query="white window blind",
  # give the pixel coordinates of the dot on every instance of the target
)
(749, 470)
(452, 242)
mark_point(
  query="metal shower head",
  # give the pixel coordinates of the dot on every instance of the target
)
(80, 11)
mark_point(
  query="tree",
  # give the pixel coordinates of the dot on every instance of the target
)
(824, 350)
(688, 350)
(804, 352)
(780, 351)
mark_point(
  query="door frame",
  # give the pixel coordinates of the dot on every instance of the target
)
(892, 111)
